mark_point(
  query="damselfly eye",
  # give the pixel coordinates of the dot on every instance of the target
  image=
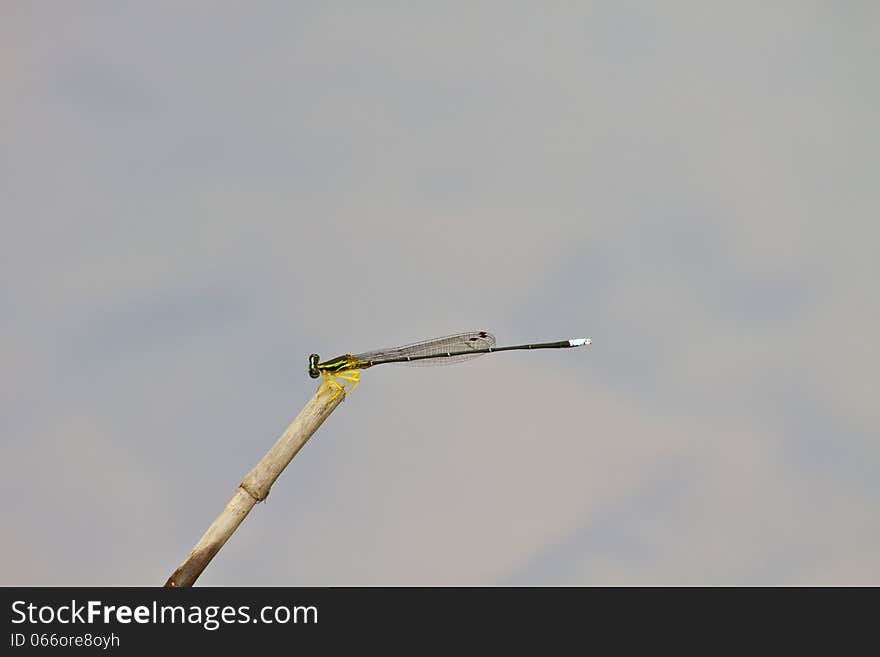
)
(313, 366)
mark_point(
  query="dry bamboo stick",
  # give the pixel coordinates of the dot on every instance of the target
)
(255, 486)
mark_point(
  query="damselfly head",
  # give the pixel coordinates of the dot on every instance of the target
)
(313, 366)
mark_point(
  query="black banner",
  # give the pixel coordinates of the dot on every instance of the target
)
(128, 620)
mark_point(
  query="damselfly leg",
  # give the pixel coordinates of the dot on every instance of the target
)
(351, 376)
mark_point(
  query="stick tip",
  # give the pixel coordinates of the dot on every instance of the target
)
(579, 342)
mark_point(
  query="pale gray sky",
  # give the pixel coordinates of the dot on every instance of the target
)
(194, 199)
